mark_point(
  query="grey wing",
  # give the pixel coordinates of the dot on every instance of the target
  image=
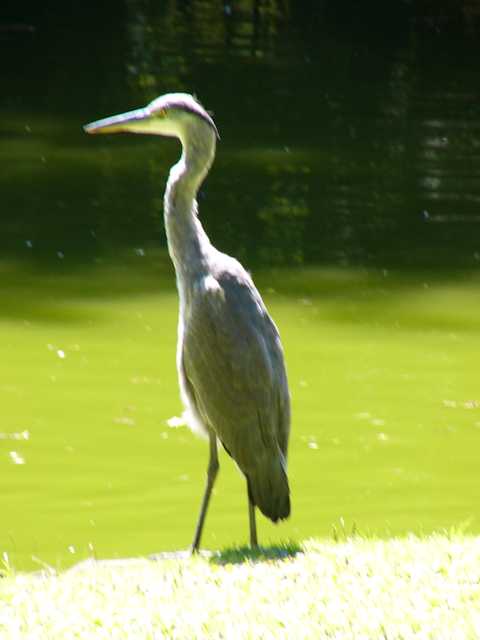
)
(233, 362)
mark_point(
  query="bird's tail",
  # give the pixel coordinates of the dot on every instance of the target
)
(268, 489)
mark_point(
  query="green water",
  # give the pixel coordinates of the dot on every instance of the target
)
(383, 371)
(347, 178)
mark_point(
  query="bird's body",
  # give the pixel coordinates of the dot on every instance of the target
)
(230, 361)
(232, 382)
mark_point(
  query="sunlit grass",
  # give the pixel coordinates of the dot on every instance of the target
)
(359, 588)
(383, 369)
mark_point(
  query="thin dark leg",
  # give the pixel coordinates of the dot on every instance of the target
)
(253, 523)
(211, 475)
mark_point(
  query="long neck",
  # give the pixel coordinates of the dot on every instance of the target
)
(187, 241)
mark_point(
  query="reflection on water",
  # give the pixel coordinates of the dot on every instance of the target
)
(347, 137)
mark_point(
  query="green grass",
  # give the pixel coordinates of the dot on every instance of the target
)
(358, 588)
(383, 370)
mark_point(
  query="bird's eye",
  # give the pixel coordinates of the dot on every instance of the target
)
(161, 113)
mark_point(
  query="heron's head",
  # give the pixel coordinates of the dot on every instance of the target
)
(173, 114)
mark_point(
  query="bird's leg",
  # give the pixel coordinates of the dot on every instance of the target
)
(253, 523)
(211, 475)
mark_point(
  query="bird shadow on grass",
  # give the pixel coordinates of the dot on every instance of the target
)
(240, 555)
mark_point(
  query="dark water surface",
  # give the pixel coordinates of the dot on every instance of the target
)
(350, 133)
(347, 178)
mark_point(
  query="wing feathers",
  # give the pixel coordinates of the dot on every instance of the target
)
(233, 360)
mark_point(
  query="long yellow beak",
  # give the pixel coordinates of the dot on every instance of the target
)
(118, 123)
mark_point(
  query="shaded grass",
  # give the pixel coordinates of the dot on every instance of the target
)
(240, 554)
(395, 589)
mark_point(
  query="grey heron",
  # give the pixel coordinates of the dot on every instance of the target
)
(230, 362)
